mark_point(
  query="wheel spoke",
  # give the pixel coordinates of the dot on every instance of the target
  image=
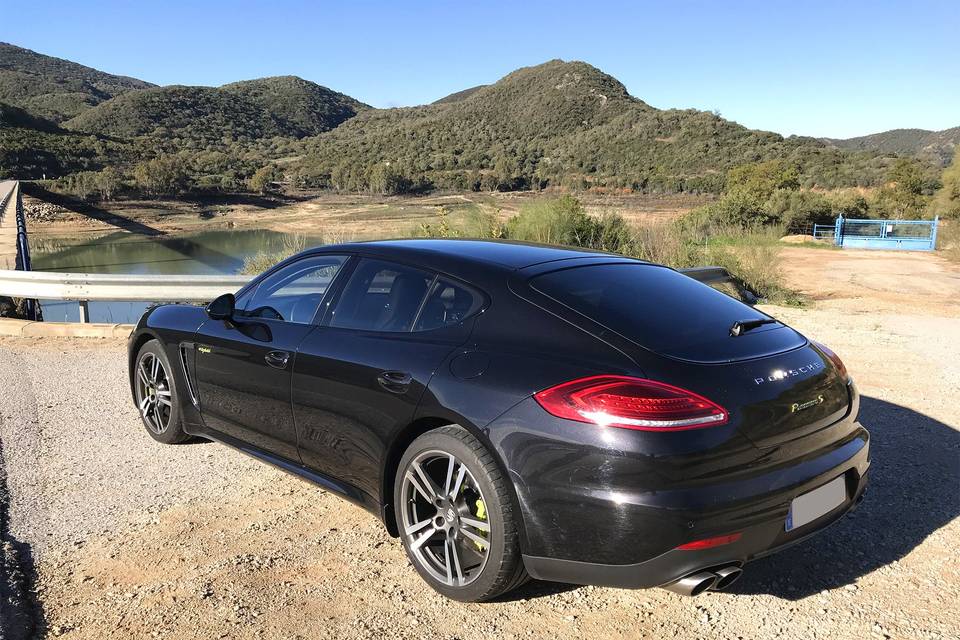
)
(428, 483)
(417, 526)
(143, 375)
(459, 481)
(416, 544)
(455, 569)
(451, 464)
(476, 524)
(144, 405)
(480, 541)
(155, 370)
(416, 484)
(164, 400)
(448, 561)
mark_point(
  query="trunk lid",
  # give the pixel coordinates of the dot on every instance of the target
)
(775, 385)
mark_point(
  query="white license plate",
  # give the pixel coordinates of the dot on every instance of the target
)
(811, 505)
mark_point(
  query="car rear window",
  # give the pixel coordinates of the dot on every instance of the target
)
(665, 311)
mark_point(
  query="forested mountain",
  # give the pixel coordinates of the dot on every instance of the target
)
(561, 123)
(56, 89)
(937, 145)
(557, 123)
(199, 117)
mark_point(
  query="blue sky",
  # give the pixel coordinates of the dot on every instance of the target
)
(817, 68)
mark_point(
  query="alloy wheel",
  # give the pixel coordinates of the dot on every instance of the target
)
(153, 393)
(445, 523)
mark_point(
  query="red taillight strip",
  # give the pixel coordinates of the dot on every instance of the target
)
(605, 419)
(708, 543)
(630, 403)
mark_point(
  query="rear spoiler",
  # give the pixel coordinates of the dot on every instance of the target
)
(720, 278)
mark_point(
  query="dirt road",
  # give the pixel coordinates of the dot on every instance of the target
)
(131, 539)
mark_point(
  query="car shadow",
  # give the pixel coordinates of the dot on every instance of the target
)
(912, 492)
(21, 613)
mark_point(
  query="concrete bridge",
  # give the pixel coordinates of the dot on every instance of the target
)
(9, 196)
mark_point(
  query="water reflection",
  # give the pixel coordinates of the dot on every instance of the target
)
(209, 252)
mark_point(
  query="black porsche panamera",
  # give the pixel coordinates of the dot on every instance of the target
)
(513, 410)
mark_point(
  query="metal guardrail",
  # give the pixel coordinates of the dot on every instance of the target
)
(22, 259)
(84, 287)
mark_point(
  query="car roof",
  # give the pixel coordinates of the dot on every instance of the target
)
(509, 255)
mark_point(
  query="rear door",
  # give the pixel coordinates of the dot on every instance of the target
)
(243, 365)
(359, 378)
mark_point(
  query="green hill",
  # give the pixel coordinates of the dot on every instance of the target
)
(459, 95)
(285, 107)
(304, 108)
(936, 145)
(562, 123)
(56, 89)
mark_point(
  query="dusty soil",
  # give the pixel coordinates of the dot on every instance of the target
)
(132, 539)
(867, 281)
(342, 216)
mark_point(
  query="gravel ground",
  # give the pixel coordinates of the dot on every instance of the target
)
(131, 539)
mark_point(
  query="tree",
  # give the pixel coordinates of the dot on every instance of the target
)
(761, 179)
(108, 182)
(946, 202)
(902, 196)
(163, 175)
(386, 180)
(263, 179)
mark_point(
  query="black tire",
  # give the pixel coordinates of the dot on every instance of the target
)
(502, 569)
(165, 425)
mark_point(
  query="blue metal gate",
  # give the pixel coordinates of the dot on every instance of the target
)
(905, 235)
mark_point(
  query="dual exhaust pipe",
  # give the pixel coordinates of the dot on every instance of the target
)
(696, 583)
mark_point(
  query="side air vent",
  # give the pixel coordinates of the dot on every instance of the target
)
(186, 355)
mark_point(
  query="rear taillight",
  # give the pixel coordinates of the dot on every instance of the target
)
(630, 403)
(834, 358)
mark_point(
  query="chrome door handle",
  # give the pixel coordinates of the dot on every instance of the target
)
(277, 359)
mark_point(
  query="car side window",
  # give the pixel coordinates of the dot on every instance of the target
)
(447, 305)
(293, 293)
(381, 296)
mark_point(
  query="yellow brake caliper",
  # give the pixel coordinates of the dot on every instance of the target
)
(481, 515)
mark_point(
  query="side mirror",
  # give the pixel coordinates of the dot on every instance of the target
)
(222, 308)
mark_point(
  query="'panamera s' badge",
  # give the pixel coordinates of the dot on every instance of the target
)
(800, 406)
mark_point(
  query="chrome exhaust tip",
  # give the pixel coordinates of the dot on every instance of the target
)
(694, 584)
(726, 577)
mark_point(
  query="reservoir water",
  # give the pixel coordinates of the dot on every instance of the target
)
(209, 252)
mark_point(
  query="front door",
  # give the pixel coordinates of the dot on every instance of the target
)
(244, 365)
(359, 379)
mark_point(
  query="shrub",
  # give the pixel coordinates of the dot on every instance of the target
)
(261, 261)
(563, 221)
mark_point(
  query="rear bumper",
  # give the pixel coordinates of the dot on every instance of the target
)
(612, 511)
(757, 541)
